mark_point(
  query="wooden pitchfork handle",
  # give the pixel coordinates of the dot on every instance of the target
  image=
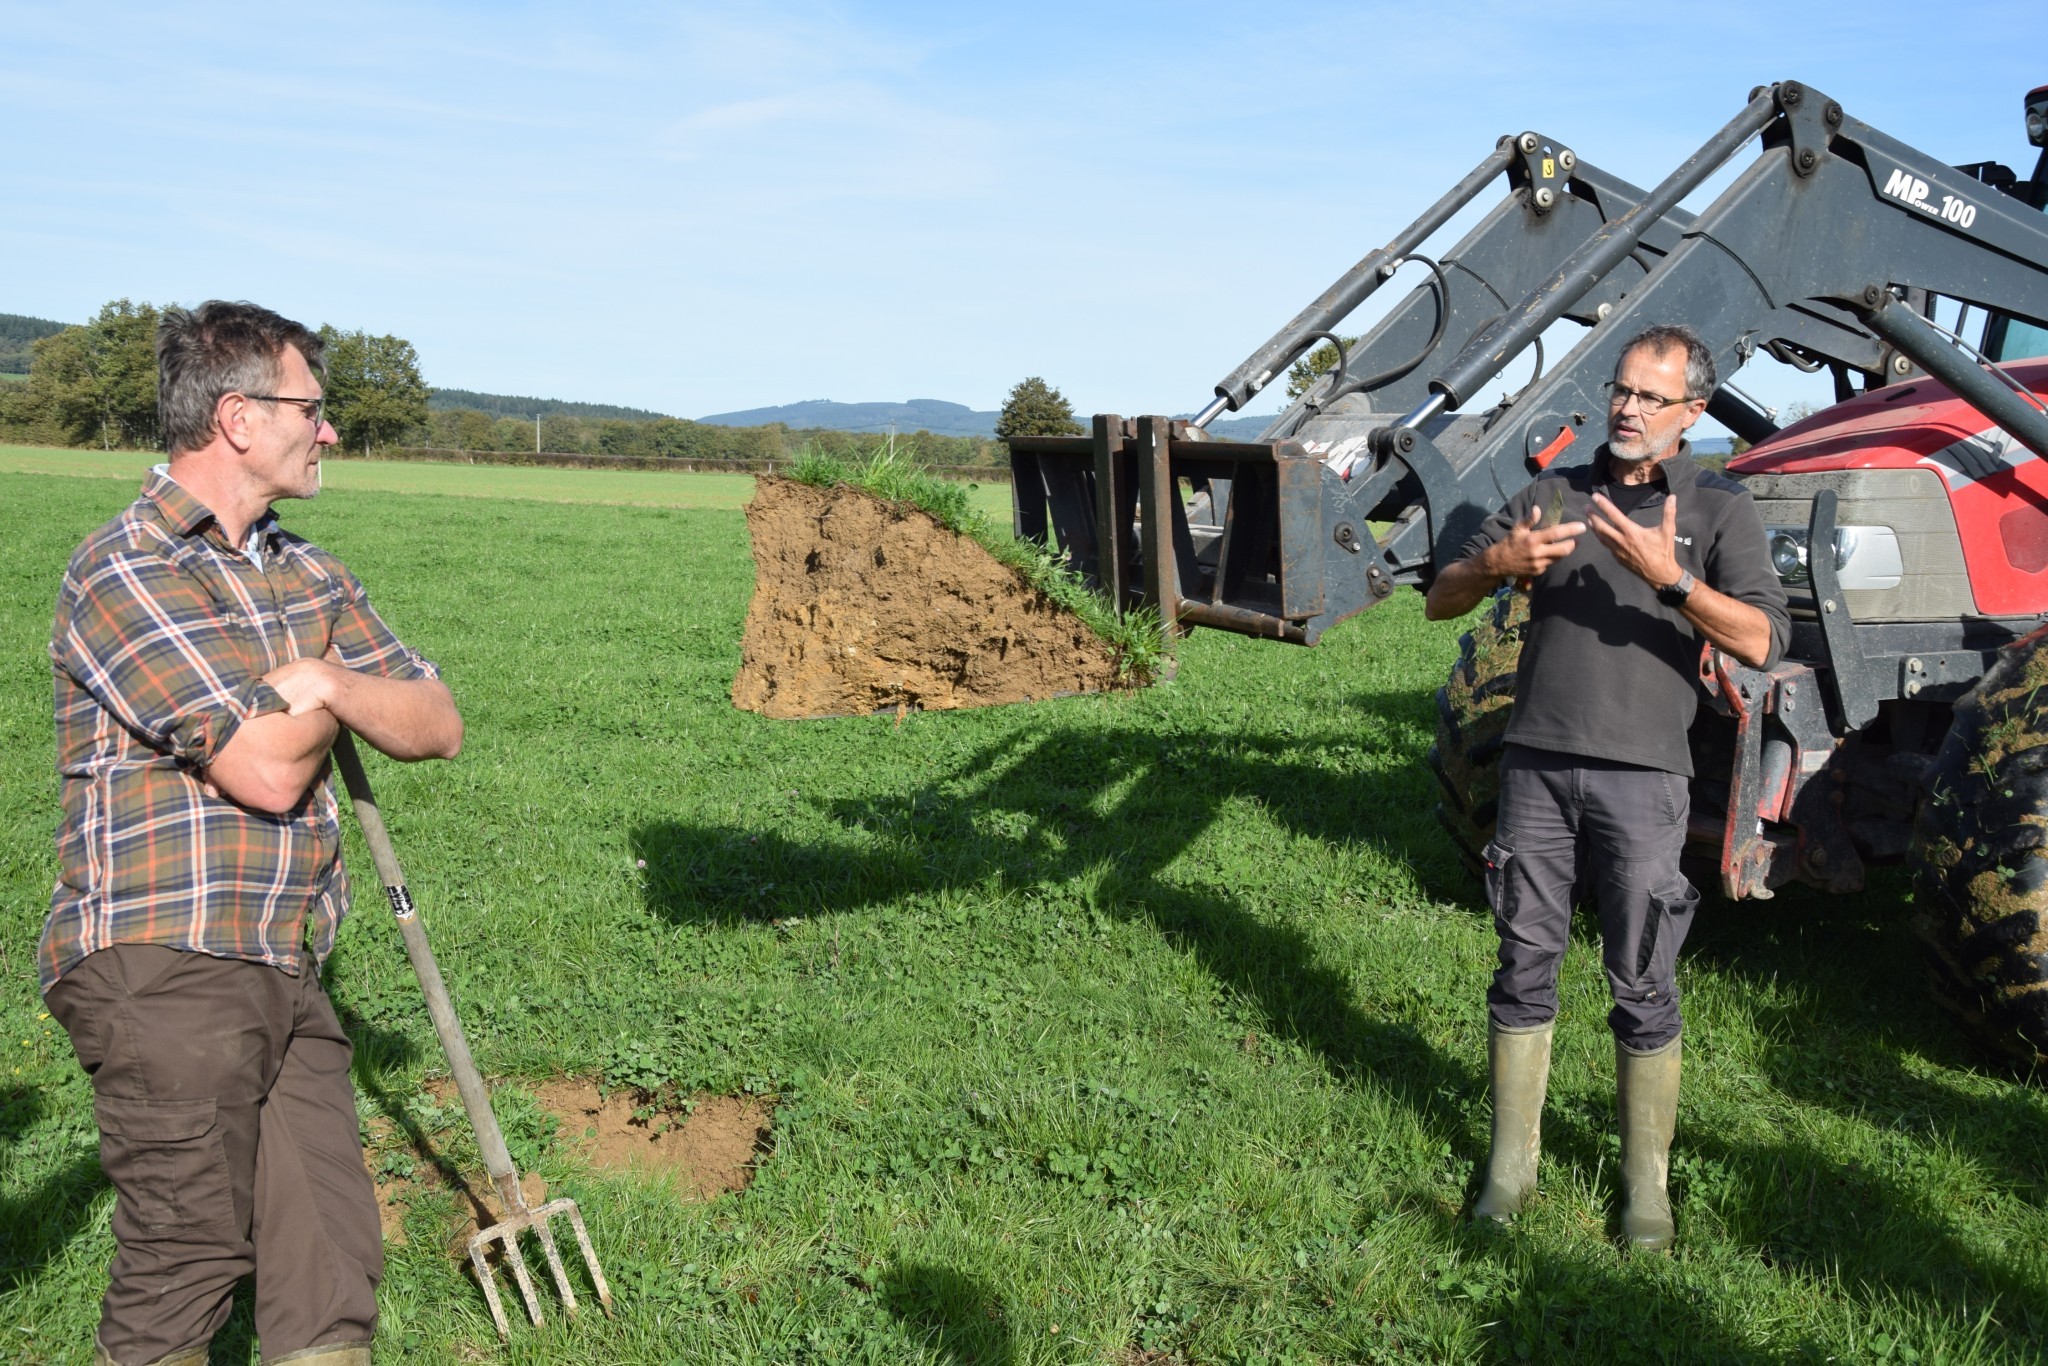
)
(489, 1138)
(475, 1099)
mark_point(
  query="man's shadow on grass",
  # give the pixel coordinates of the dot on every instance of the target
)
(957, 1317)
(37, 1226)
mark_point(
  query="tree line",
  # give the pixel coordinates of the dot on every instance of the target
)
(95, 385)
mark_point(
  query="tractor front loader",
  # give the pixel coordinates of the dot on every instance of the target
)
(1909, 523)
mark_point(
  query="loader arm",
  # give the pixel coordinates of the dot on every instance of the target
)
(1081, 493)
(1823, 251)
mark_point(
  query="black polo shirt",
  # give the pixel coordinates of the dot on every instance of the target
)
(1608, 671)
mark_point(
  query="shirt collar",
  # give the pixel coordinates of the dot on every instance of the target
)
(1678, 468)
(187, 516)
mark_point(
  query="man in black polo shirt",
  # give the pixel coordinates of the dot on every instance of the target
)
(1593, 781)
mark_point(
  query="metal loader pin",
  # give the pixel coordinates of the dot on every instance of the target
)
(518, 1216)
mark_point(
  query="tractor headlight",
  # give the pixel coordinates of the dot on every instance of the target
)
(1865, 556)
(1788, 554)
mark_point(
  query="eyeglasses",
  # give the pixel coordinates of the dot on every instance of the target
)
(315, 408)
(1618, 396)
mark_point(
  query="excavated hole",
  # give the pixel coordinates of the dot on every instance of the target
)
(699, 1151)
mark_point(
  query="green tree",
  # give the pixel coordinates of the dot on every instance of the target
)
(374, 391)
(121, 347)
(60, 402)
(93, 385)
(1035, 408)
(669, 436)
(461, 429)
(1312, 367)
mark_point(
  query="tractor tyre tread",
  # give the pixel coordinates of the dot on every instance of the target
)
(1473, 708)
(1980, 873)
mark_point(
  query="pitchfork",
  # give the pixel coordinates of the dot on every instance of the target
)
(497, 1160)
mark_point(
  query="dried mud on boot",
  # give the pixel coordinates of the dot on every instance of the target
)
(863, 606)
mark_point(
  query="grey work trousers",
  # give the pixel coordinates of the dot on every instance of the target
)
(228, 1129)
(1617, 830)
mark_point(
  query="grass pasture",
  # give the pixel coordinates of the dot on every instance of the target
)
(1118, 1029)
(625, 488)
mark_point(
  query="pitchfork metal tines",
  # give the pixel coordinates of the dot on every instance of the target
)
(517, 1216)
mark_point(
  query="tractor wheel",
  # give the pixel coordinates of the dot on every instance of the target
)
(1980, 858)
(1472, 709)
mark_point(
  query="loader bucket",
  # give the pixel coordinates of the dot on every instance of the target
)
(1236, 535)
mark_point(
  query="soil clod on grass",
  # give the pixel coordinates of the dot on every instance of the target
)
(862, 605)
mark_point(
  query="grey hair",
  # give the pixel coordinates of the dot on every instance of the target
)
(1700, 376)
(220, 348)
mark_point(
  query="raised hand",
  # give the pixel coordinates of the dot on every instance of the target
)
(1530, 547)
(1650, 553)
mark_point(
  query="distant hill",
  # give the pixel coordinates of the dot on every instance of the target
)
(18, 333)
(1238, 428)
(514, 405)
(918, 414)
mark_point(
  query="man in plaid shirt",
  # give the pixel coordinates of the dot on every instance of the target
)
(205, 659)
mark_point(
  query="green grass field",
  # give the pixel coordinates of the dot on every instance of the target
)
(626, 488)
(1116, 1025)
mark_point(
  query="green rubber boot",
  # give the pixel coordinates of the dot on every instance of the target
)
(190, 1356)
(330, 1354)
(1646, 1094)
(1518, 1061)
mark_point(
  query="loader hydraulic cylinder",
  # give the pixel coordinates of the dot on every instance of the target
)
(1486, 354)
(1352, 288)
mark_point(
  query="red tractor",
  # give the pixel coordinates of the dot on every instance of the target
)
(1909, 522)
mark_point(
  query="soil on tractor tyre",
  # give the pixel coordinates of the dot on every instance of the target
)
(1980, 859)
(1472, 711)
(862, 606)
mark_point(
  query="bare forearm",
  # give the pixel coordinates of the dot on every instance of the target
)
(270, 760)
(1461, 586)
(1731, 624)
(405, 718)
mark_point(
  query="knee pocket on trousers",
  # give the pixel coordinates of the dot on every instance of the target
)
(1500, 858)
(1671, 908)
(167, 1157)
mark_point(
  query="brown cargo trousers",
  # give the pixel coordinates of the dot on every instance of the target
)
(228, 1129)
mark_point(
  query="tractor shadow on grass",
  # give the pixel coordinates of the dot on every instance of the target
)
(1114, 813)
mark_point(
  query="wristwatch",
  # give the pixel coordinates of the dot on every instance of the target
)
(1675, 594)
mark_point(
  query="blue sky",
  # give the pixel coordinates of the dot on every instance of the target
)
(697, 208)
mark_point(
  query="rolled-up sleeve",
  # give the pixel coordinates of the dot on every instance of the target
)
(361, 641)
(155, 650)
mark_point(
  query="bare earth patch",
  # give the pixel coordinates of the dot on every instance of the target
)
(708, 1151)
(863, 606)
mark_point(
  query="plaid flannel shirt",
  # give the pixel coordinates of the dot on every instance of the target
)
(163, 634)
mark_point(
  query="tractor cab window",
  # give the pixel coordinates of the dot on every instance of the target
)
(2022, 340)
(2018, 340)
